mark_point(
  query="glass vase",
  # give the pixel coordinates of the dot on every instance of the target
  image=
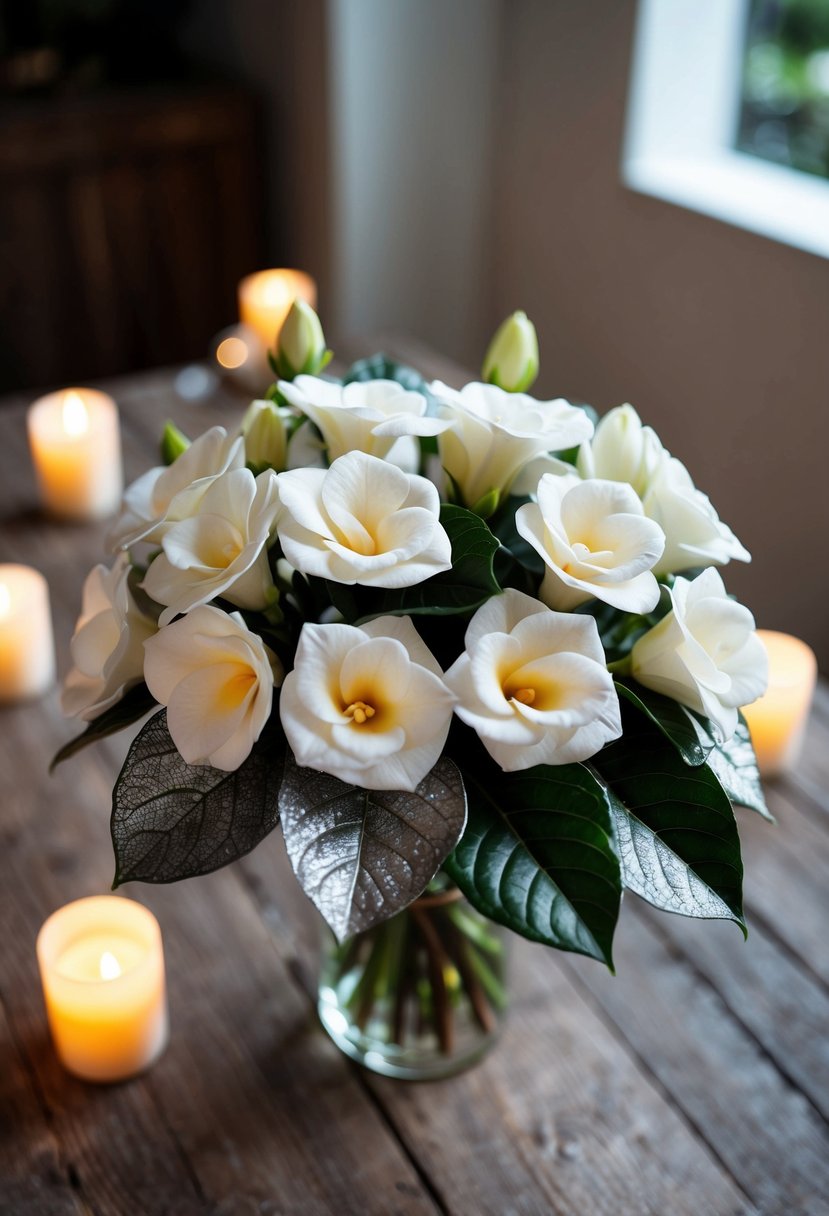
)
(420, 996)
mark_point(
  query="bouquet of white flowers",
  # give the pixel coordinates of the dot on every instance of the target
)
(428, 630)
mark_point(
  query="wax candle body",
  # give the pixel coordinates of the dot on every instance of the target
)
(75, 443)
(102, 969)
(778, 720)
(265, 299)
(27, 645)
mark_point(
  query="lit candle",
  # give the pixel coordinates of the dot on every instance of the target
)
(265, 300)
(27, 644)
(76, 449)
(778, 720)
(102, 969)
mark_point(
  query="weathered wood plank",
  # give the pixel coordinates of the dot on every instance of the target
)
(785, 878)
(810, 779)
(33, 1178)
(765, 988)
(762, 1129)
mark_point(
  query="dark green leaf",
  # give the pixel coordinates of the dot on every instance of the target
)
(618, 630)
(363, 855)
(675, 827)
(503, 525)
(381, 367)
(469, 583)
(172, 820)
(132, 706)
(538, 855)
(735, 764)
(686, 732)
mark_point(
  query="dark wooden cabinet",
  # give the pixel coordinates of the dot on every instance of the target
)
(126, 221)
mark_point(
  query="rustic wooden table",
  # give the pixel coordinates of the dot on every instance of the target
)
(695, 1082)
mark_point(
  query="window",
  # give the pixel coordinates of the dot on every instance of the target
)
(784, 115)
(696, 109)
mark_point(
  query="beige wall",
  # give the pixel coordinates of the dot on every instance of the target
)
(718, 337)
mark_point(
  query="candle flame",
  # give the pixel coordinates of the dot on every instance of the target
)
(231, 353)
(5, 600)
(109, 966)
(75, 414)
(275, 291)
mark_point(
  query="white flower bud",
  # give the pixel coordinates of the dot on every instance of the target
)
(265, 430)
(511, 361)
(301, 348)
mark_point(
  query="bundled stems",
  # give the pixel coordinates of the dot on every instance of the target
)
(435, 969)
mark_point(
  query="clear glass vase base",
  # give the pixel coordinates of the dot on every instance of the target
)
(421, 1059)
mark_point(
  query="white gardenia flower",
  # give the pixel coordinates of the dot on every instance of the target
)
(367, 704)
(704, 653)
(108, 645)
(533, 684)
(221, 550)
(494, 435)
(216, 678)
(163, 495)
(366, 416)
(362, 521)
(595, 541)
(694, 533)
(624, 450)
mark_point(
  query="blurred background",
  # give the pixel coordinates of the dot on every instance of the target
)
(647, 180)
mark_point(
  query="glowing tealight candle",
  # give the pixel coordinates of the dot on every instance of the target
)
(27, 645)
(778, 720)
(75, 442)
(265, 300)
(102, 968)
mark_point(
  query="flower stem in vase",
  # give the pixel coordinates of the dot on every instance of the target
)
(421, 994)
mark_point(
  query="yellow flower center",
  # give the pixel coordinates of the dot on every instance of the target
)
(236, 689)
(359, 712)
(525, 695)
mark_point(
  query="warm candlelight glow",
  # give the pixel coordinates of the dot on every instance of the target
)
(778, 720)
(275, 292)
(102, 969)
(109, 966)
(27, 646)
(75, 414)
(76, 450)
(231, 353)
(266, 298)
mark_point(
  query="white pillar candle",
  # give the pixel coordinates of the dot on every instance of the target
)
(27, 644)
(75, 442)
(102, 968)
(777, 721)
(265, 300)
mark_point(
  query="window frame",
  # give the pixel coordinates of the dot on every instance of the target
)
(681, 124)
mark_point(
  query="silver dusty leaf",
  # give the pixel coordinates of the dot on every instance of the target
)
(363, 855)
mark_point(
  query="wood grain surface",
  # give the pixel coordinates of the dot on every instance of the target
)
(696, 1082)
